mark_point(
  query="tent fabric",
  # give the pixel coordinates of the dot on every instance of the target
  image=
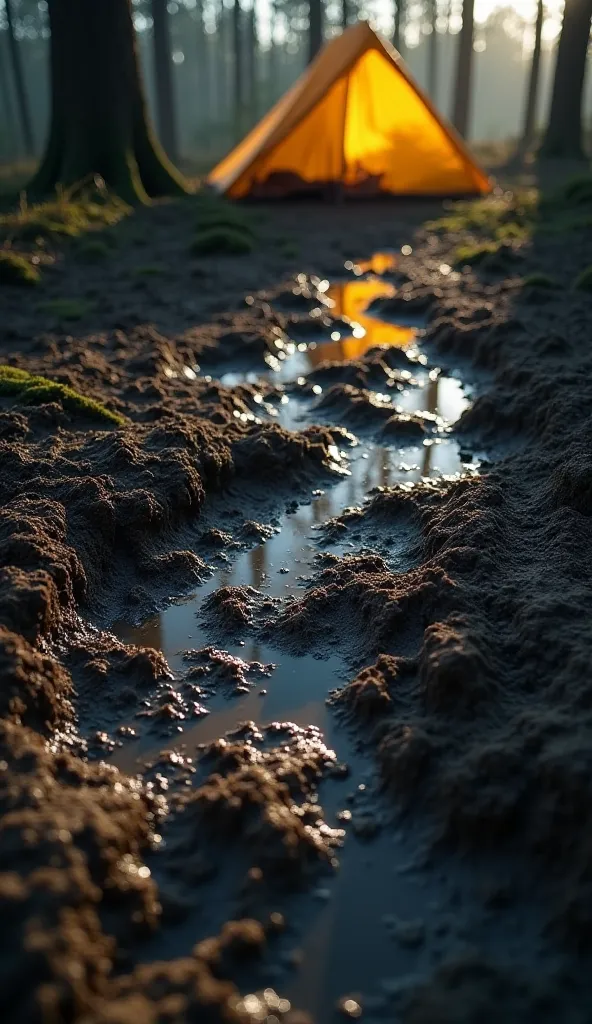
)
(357, 119)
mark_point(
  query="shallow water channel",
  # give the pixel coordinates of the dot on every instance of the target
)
(382, 918)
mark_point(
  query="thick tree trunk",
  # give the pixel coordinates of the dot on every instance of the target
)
(533, 83)
(315, 28)
(464, 71)
(19, 83)
(563, 137)
(163, 74)
(99, 122)
(399, 25)
(237, 63)
(433, 51)
(7, 101)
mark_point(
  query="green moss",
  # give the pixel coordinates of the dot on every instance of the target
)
(94, 250)
(539, 280)
(33, 390)
(222, 215)
(70, 214)
(583, 282)
(221, 241)
(68, 309)
(472, 255)
(578, 190)
(17, 269)
(487, 216)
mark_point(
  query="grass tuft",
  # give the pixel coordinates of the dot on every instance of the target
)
(69, 214)
(17, 269)
(34, 390)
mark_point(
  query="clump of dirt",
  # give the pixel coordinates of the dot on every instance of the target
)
(72, 883)
(360, 604)
(266, 795)
(369, 412)
(214, 668)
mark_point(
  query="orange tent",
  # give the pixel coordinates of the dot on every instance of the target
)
(356, 120)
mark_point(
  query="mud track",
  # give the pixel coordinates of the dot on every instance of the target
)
(182, 890)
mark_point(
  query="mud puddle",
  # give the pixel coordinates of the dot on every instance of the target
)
(385, 916)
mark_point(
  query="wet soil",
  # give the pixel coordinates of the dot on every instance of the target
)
(295, 715)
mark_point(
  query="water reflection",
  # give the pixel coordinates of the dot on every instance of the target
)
(349, 940)
(351, 299)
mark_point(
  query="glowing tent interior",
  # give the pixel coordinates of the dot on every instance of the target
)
(355, 121)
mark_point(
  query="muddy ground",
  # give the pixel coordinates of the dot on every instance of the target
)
(171, 892)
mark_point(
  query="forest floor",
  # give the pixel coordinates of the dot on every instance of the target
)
(295, 633)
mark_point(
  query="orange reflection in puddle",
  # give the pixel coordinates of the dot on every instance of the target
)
(379, 263)
(351, 299)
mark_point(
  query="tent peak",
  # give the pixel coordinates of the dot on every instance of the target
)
(355, 120)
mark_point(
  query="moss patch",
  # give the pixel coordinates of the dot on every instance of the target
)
(69, 214)
(33, 390)
(94, 250)
(68, 309)
(473, 255)
(222, 241)
(17, 269)
(583, 282)
(540, 281)
(222, 215)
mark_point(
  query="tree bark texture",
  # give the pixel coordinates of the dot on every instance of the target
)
(20, 87)
(99, 122)
(7, 99)
(563, 137)
(163, 73)
(533, 83)
(315, 28)
(464, 70)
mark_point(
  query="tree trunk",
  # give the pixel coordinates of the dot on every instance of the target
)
(464, 71)
(399, 25)
(344, 14)
(533, 84)
(272, 56)
(202, 66)
(163, 73)
(563, 137)
(252, 50)
(6, 93)
(237, 63)
(99, 122)
(433, 51)
(19, 83)
(315, 28)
